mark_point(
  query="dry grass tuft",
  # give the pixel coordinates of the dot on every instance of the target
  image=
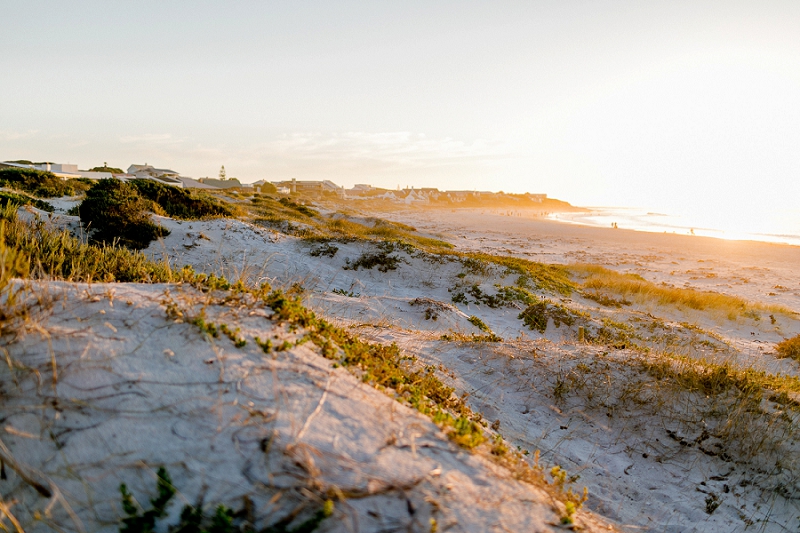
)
(638, 289)
(789, 348)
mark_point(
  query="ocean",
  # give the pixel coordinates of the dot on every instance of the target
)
(776, 226)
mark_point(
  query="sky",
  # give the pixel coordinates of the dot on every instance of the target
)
(661, 104)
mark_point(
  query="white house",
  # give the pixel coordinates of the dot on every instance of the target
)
(62, 171)
(161, 175)
(93, 175)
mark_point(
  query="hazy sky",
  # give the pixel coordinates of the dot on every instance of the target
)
(645, 103)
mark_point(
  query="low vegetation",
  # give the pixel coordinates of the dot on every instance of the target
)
(193, 519)
(106, 168)
(530, 274)
(538, 315)
(506, 296)
(41, 184)
(182, 203)
(35, 250)
(789, 348)
(636, 288)
(23, 199)
(114, 211)
(382, 258)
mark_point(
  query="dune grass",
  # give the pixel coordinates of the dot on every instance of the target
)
(636, 288)
(551, 278)
(383, 230)
(789, 348)
(23, 199)
(40, 183)
(35, 250)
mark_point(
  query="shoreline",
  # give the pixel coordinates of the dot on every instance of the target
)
(568, 214)
(755, 270)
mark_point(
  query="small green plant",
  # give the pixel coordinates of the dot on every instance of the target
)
(505, 297)
(144, 521)
(432, 307)
(349, 294)
(233, 335)
(460, 337)
(325, 249)
(209, 328)
(193, 520)
(266, 345)
(475, 266)
(537, 315)
(499, 446)
(572, 502)
(381, 258)
(712, 502)
(478, 323)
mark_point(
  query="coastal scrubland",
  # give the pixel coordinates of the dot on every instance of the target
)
(302, 365)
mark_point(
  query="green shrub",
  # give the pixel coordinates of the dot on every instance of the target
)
(116, 212)
(325, 249)
(181, 203)
(23, 199)
(268, 188)
(37, 182)
(106, 168)
(789, 348)
(381, 258)
(40, 252)
(307, 211)
(478, 323)
(537, 315)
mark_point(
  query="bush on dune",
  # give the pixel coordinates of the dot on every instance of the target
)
(115, 212)
(35, 251)
(39, 183)
(23, 199)
(180, 203)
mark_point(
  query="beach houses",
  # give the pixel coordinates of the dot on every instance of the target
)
(161, 175)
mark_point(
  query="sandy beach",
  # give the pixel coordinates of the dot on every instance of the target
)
(755, 270)
(648, 405)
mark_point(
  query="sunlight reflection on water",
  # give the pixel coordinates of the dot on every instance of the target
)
(776, 227)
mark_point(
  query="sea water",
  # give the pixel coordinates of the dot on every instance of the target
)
(776, 226)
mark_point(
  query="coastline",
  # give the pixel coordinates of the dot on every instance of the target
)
(755, 270)
(639, 219)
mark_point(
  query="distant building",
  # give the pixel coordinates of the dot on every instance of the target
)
(190, 183)
(95, 175)
(310, 187)
(57, 168)
(229, 183)
(65, 171)
(161, 175)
